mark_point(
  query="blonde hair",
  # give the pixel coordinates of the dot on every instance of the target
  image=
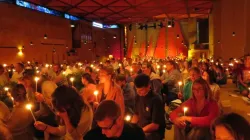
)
(206, 87)
(48, 87)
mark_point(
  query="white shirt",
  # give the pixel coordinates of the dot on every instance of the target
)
(16, 76)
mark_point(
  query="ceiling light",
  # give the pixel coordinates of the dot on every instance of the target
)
(233, 34)
(114, 36)
(72, 25)
(169, 24)
(45, 36)
(178, 36)
(31, 43)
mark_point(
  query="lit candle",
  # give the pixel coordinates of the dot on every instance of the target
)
(29, 106)
(96, 93)
(164, 66)
(180, 84)
(128, 118)
(164, 71)
(120, 64)
(28, 62)
(72, 80)
(91, 65)
(37, 71)
(158, 66)
(185, 110)
(47, 65)
(36, 79)
(131, 69)
(4, 65)
(101, 63)
(6, 89)
(249, 89)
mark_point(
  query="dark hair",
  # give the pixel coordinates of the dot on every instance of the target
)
(65, 97)
(88, 77)
(21, 65)
(237, 125)
(171, 62)
(149, 66)
(89, 68)
(110, 71)
(206, 87)
(107, 109)
(142, 80)
(120, 77)
(19, 93)
(195, 69)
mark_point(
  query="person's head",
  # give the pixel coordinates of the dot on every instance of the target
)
(88, 70)
(142, 84)
(67, 99)
(121, 80)
(231, 127)
(48, 87)
(106, 74)
(19, 93)
(27, 81)
(87, 79)
(208, 77)
(170, 65)
(109, 119)
(147, 68)
(19, 67)
(56, 68)
(201, 90)
(205, 66)
(194, 73)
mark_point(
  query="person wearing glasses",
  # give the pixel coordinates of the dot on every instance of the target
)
(111, 124)
(149, 109)
(201, 109)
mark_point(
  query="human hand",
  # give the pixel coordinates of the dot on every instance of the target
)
(180, 95)
(40, 125)
(180, 122)
(39, 97)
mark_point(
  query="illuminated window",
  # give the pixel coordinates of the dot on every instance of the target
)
(70, 17)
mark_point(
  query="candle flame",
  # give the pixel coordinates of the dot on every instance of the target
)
(185, 109)
(164, 71)
(96, 93)
(128, 118)
(37, 78)
(72, 79)
(28, 106)
(6, 88)
(179, 83)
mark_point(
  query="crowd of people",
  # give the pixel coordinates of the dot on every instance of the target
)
(121, 99)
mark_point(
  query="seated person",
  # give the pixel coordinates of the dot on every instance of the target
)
(221, 77)
(194, 73)
(170, 79)
(45, 113)
(231, 127)
(111, 124)
(20, 121)
(155, 80)
(75, 115)
(201, 110)
(149, 109)
(244, 77)
(128, 91)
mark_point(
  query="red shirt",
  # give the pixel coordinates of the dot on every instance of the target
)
(206, 116)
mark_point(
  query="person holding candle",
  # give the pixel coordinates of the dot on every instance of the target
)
(20, 120)
(149, 109)
(108, 89)
(201, 110)
(170, 81)
(194, 73)
(75, 115)
(89, 88)
(19, 70)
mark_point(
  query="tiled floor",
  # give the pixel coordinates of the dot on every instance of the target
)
(231, 102)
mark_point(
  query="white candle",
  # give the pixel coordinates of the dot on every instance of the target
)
(36, 79)
(72, 80)
(29, 106)
(185, 110)
(96, 93)
(180, 84)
